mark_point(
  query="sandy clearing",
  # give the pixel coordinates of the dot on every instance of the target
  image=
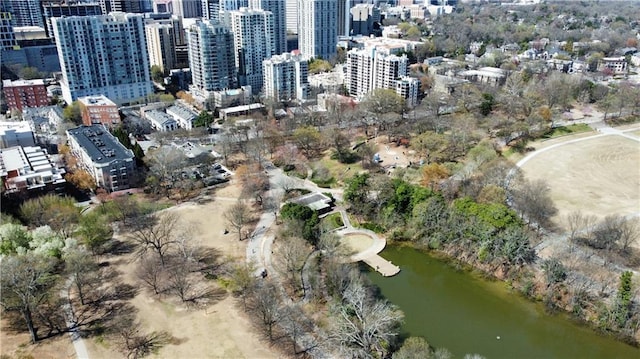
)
(222, 330)
(18, 345)
(598, 176)
(356, 242)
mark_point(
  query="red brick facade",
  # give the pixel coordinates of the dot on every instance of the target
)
(21, 94)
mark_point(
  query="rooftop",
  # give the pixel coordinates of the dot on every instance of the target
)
(158, 117)
(101, 100)
(19, 83)
(99, 144)
(31, 164)
(182, 112)
(18, 126)
(315, 201)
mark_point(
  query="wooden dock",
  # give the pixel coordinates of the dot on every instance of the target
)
(381, 265)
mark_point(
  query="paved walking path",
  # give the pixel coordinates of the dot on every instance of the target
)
(76, 339)
(370, 255)
(601, 127)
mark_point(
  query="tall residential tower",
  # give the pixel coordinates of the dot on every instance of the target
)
(318, 28)
(254, 42)
(103, 55)
(278, 9)
(211, 58)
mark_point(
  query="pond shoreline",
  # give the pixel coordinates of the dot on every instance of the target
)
(507, 287)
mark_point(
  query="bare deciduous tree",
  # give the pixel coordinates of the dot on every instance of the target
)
(534, 203)
(363, 327)
(158, 232)
(292, 254)
(265, 304)
(629, 233)
(237, 217)
(297, 326)
(151, 272)
(25, 281)
(134, 343)
(83, 270)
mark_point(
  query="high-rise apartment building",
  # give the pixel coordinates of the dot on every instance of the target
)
(179, 41)
(7, 35)
(291, 10)
(253, 43)
(286, 78)
(278, 9)
(103, 55)
(59, 9)
(211, 58)
(129, 6)
(374, 68)
(363, 18)
(187, 9)
(161, 45)
(318, 28)
(24, 12)
(211, 9)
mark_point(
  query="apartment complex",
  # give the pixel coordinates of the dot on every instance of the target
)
(21, 94)
(286, 78)
(318, 28)
(408, 88)
(253, 43)
(110, 164)
(278, 9)
(98, 110)
(375, 68)
(212, 9)
(7, 35)
(103, 55)
(24, 12)
(211, 58)
(161, 45)
(58, 9)
(291, 14)
(28, 169)
(363, 19)
(16, 133)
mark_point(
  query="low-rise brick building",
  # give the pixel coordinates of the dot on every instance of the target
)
(21, 94)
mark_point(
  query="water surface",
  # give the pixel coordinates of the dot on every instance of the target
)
(466, 314)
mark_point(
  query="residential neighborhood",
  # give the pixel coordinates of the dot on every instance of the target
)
(319, 179)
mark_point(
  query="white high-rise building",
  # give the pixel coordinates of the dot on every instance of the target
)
(254, 42)
(161, 45)
(291, 10)
(374, 68)
(286, 78)
(211, 58)
(278, 9)
(211, 9)
(103, 55)
(318, 28)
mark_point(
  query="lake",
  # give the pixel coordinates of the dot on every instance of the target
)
(466, 314)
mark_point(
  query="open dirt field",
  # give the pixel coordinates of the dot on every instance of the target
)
(221, 330)
(597, 176)
(18, 345)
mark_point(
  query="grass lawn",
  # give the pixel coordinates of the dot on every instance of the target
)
(340, 171)
(331, 222)
(567, 130)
